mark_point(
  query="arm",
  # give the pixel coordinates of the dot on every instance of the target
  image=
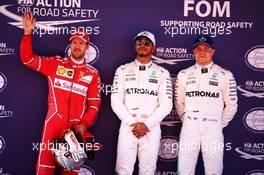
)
(165, 101)
(93, 101)
(27, 56)
(179, 94)
(229, 98)
(118, 97)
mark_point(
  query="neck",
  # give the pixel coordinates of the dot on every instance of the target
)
(77, 61)
(204, 64)
(144, 60)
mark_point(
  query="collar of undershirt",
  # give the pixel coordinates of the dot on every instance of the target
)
(76, 61)
(148, 65)
(208, 66)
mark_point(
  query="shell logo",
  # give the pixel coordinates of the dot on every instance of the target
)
(61, 71)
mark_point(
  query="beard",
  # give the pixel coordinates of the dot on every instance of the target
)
(143, 52)
(77, 55)
(142, 55)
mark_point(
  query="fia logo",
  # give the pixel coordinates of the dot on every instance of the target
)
(25, 2)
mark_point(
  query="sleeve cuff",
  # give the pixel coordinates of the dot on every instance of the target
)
(129, 121)
(150, 123)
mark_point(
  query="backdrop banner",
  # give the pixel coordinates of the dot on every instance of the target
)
(237, 30)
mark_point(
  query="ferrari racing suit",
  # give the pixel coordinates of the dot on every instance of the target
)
(141, 93)
(73, 99)
(206, 100)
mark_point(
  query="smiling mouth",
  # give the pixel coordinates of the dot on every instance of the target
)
(142, 49)
(142, 55)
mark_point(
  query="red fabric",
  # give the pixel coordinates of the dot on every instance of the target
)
(73, 97)
(80, 34)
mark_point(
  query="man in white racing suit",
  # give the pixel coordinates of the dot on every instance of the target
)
(206, 100)
(141, 98)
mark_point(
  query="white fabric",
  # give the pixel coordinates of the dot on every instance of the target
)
(140, 96)
(206, 102)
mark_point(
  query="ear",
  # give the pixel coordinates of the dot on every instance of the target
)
(135, 47)
(87, 46)
(154, 49)
(213, 52)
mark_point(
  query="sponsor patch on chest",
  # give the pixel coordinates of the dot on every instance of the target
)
(153, 74)
(213, 83)
(65, 72)
(70, 87)
(190, 82)
(86, 78)
(130, 77)
(153, 80)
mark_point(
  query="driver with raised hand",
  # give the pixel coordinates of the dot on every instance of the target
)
(74, 97)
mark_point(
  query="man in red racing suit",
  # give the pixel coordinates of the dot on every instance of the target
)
(73, 98)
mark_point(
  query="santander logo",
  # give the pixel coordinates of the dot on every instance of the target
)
(71, 87)
(80, 90)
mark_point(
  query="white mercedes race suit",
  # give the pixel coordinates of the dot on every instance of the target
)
(141, 93)
(206, 100)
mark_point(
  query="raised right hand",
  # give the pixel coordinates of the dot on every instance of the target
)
(29, 22)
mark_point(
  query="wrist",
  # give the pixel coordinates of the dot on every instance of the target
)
(29, 32)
